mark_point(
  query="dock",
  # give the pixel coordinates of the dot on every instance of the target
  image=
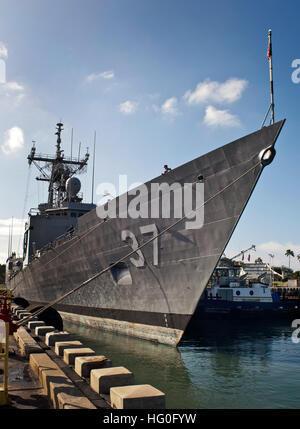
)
(50, 369)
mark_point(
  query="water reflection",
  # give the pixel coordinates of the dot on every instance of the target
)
(242, 365)
(217, 365)
(156, 364)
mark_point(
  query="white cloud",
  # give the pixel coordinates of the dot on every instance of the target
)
(273, 246)
(13, 140)
(13, 86)
(128, 107)
(11, 94)
(104, 75)
(170, 107)
(215, 117)
(8, 89)
(212, 91)
(3, 50)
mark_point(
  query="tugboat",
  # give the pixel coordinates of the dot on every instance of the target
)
(233, 294)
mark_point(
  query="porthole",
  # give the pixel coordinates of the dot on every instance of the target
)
(251, 292)
(238, 292)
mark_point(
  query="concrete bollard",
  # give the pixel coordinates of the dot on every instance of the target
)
(59, 388)
(19, 312)
(61, 346)
(105, 378)
(71, 354)
(26, 343)
(84, 364)
(52, 337)
(23, 315)
(41, 331)
(14, 308)
(137, 397)
(35, 324)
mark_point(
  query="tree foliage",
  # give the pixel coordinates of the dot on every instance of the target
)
(286, 270)
(226, 262)
(295, 275)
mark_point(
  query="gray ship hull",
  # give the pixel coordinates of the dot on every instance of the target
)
(156, 291)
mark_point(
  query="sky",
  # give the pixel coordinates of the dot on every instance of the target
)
(161, 82)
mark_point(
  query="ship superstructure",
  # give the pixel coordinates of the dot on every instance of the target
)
(59, 215)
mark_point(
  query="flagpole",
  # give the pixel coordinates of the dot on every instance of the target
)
(93, 178)
(271, 76)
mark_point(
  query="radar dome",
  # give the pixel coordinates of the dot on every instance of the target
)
(73, 186)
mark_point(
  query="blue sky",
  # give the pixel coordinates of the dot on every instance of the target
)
(137, 71)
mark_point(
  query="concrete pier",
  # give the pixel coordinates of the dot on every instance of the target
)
(55, 382)
(71, 376)
(24, 389)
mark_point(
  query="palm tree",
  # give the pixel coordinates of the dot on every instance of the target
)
(289, 253)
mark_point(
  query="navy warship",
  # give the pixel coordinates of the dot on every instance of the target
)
(153, 286)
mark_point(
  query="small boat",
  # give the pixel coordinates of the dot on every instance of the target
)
(232, 294)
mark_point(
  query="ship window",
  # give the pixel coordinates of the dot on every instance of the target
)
(238, 292)
(251, 292)
(80, 214)
(73, 214)
(121, 274)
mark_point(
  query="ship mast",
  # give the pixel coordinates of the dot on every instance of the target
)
(56, 169)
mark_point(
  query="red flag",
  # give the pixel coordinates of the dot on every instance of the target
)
(269, 53)
(249, 257)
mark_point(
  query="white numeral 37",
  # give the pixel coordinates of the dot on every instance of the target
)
(147, 229)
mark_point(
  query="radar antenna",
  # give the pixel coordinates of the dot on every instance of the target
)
(57, 170)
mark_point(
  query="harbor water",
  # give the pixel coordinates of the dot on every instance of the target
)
(219, 365)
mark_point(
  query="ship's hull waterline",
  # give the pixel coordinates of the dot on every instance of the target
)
(163, 282)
